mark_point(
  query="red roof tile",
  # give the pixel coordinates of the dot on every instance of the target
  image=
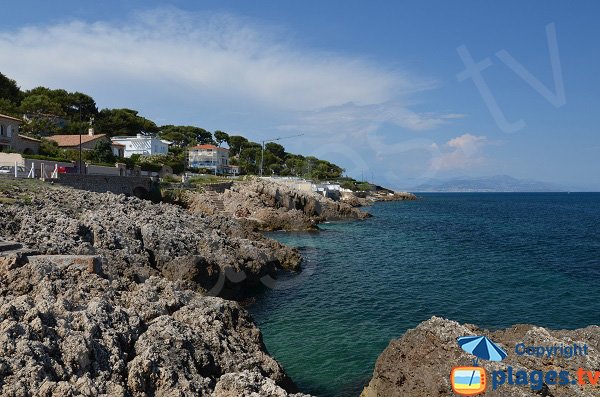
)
(73, 140)
(209, 147)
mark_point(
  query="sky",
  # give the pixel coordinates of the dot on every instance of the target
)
(396, 92)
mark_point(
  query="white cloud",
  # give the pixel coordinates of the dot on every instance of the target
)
(462, 152)
(210, 55)
(359, 120)
(180, 67)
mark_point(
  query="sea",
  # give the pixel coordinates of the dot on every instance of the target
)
(490, 259)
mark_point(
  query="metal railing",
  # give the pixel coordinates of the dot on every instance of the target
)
(15, 170)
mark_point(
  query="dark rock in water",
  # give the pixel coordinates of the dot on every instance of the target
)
(420, 362)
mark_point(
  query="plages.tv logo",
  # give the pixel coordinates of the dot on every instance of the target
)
(472, 380)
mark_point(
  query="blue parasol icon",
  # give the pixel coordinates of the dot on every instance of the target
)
(482, 348)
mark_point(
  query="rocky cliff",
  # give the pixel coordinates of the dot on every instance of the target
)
(139, 239)
(69, 330)
(420, 362)
(109, 297)
(270, 205)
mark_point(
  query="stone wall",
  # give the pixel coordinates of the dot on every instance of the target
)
(118, 170)
(129, 185)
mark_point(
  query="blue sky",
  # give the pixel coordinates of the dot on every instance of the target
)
(372, 85)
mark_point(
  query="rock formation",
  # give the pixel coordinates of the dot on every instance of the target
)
(420, 362)
(69, 330)
(270, 205)
(106, 295)
(139, 239)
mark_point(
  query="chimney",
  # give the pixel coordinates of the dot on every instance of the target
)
(91, 131)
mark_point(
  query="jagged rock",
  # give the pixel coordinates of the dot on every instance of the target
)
(420, 362)
(355, 201)
(115, 304)
(270, 205)
(249, 384)
(140, 239)
(67, 332)
(386, 195)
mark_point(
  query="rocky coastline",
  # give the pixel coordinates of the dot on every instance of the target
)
(268, 205)
(419, 363)
(102, 294)
(140, 239)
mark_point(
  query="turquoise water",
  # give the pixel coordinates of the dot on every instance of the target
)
(489, 259)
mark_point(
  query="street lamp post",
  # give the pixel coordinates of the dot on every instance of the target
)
(262, 158)
(80, 138)
(262, 153)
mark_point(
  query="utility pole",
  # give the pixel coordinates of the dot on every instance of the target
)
(262, 153)
(80, 133)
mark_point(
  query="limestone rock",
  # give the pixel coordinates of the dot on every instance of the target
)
(420, 362)
(65, 331)
(271, 205)
(139, 239)
(249, 384)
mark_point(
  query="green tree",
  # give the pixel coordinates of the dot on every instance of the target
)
(123, 122)
(71, 104)
(236, 144)
(9, 90)
(45, 101)
(271, 164)
(9, 108)
(221, 137)
(184, 136)
(42, 126)
(37, 105)
(250, 158)
(43, 112)
(102, 152)
(75, 102)
(58, 111)
(322, 169)
(276, 149)
(175, 160)
(295, 165)
(48, 148)
(76, 127)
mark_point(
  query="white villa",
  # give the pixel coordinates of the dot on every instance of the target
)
(211, 157)
(144, 145)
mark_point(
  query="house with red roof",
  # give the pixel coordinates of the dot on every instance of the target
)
(211, 157)
(88, 142)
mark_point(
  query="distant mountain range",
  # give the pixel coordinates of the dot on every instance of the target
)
(497, 183)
